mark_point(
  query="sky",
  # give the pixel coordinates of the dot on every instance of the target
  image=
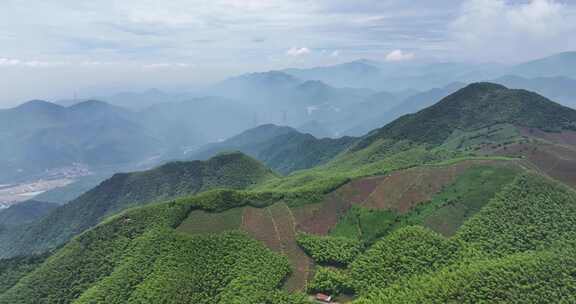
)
(55, 48)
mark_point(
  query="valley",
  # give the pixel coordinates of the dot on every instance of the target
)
(13, 194)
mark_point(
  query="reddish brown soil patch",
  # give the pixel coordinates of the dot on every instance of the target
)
(399, 191)
(403, 190)
(562, 138)
(301, 263)
(556, 161)
(325, 216)
(260, 226)
(363, 188)
(275, 227)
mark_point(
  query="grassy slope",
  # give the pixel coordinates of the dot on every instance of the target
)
(122, 191)
(445, 213)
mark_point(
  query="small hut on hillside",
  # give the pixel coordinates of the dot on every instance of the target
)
(323, 298)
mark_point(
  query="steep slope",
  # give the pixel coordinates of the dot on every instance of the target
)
(281, 148)
(24, 213)
(411, 104)
(478, 106)
(518, 249)
(126, 190)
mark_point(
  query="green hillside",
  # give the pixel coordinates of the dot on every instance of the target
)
(281, 148)
(477, 106)
(518, 249)
(24, 213)
(125, 190)
(135, 257)
(411, 213)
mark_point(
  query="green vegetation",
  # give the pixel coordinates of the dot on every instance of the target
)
(13, 269)
(208, 270)
(471, 191)
(330, 280)
(530, 214)
(365, 224)
(122, 191)
(281, 148)
(477, 106)
(329, 250)
(201, 222)
(517, 249)
(137, 256)
(493, 235)
(531, 277)
(24, 212)
(494, 135)
(406, 252)
(445, 213)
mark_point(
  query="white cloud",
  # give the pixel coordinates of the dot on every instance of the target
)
(12, 62)
(499, 28)
(298, 51)
(399, 55)
(335, 53)
(167, 66)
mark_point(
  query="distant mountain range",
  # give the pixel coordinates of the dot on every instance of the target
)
(39, 135)
(133, 130)
(443, 204)
(398, 76)
(558, 88)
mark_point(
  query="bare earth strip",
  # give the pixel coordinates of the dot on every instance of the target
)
(399, 191)
(275, 227)
(300, 262)
(325, 216)
(260, 226)
(403, 190)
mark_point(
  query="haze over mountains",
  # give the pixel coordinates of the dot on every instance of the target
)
(287, 152)
(469, 163)
(137, 130)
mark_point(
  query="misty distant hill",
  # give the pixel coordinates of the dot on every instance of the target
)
(39, 135)
(281, 148)
(558, 88)
(409, 105)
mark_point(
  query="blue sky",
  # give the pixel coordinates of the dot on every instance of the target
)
(48, 49)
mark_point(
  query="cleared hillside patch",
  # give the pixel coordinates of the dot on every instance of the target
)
(405, 189)
(202, 222)
(275, 227)
(556, 161)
